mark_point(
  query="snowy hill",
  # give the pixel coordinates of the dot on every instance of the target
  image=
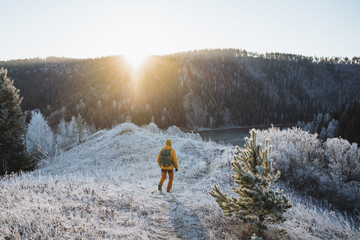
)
(106, 188)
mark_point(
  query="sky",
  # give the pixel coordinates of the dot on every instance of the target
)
(89, 28)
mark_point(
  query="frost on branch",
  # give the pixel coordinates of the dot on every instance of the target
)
(325, 170)
(39, 135)
(254, 172)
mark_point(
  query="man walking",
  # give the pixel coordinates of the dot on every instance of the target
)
(167, 161)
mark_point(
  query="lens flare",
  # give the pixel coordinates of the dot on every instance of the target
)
(135, 59)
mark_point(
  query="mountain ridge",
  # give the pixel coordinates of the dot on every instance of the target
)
(205, 88)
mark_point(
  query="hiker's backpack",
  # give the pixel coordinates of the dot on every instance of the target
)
(165, 158)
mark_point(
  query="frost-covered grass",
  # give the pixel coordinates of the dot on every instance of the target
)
(106, 188)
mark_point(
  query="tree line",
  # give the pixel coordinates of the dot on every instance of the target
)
(206, 88)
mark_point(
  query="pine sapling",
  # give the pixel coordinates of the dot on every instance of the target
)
(254, 173)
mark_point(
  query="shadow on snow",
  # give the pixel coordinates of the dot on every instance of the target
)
(185, 222)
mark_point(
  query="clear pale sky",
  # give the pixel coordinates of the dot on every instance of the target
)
(86, 28)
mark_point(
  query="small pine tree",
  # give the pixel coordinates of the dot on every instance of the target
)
(257, 202)
(12, 128)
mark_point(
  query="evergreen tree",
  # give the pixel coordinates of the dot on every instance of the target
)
(257, 202)
(12, 128)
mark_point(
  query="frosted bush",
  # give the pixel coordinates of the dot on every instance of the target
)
(127, 126)
(152, 127)
(39, 136)
(173, 130)
(343, 159)
(295, 151)
(328, 171)
(194, 136)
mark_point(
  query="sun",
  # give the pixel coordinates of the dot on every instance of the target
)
(135, 59)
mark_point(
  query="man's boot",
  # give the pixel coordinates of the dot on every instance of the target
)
(160, 187)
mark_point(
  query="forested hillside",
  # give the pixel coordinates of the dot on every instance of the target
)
(207, 88)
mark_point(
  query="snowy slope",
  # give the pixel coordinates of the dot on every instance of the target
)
(107, 188)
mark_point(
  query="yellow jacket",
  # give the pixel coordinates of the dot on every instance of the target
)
(172, 158)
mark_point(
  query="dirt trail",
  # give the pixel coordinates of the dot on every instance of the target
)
(173, 211)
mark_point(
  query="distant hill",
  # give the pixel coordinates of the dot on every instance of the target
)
(207, 88)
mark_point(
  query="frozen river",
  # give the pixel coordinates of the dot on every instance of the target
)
(233, 136)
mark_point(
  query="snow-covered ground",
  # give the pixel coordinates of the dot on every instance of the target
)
(106, 188)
